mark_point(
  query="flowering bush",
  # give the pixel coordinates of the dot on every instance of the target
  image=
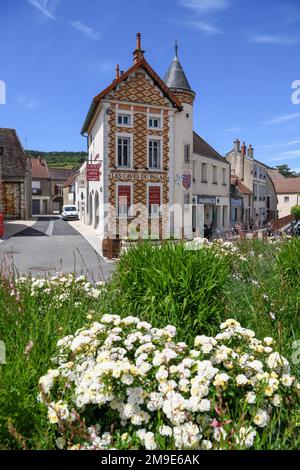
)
(58, 289)
(122, 384)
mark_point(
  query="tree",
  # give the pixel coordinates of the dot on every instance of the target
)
(286, 171)
(296, 212)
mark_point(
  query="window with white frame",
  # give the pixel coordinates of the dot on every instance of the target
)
(154, 153)
(154, 200)
(124, 148)
(154, 122)
(215, 174)
(124, 199)
(123, 119)
(187, 153)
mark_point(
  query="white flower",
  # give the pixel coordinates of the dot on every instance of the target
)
(149, 440)
(127, 379)
(166, 431)
(287, 380)
(268, 341)
(205, 405)
(206, 445)
(250, 398)
(241, 380)
(60, 443)
(261, 418)
(221, 380)
(246, 437)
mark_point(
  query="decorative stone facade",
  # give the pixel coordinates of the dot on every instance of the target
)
(15, 177)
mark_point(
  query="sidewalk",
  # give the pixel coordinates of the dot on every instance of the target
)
(12, 227)
(89, 233)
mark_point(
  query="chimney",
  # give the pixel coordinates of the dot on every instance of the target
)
(138, 53)
(250, 152)
(244, 149)
(237, 144)
(117, 72)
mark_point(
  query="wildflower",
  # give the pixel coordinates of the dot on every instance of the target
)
(241, 380)
(246, 437)
(261, 418)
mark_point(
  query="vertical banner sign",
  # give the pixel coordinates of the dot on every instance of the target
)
(154, 196)
(93, 172)
(124, 193)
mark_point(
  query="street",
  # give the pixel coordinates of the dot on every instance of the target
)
(50, 246)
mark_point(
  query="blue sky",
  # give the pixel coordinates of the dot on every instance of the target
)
(240, 57)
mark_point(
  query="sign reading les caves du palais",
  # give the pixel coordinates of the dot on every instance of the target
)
(93, 172)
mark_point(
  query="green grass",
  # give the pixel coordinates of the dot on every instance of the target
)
(193, 290)
(170, 285)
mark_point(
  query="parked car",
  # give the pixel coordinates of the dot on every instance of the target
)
(293, 228)
(69, 213)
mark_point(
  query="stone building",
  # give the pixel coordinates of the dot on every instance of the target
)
(252, 174)
(140, 134)
(15, 177)
(58, 178)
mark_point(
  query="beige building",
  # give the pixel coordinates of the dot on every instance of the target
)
(211, 187)
(262, 205)
(140, 136)
(287, 190)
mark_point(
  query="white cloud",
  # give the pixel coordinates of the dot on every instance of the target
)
(283, 118)
(285, 156)
(46, 7)
(86, 30)
(280, 144)
(203, 26)
(205, 6)
(273, 39)
(27, 102)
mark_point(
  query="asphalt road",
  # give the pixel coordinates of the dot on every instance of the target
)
(50, 246)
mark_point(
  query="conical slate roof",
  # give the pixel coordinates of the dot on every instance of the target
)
(175, 77)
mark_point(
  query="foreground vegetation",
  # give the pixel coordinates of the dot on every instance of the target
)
(193, 288)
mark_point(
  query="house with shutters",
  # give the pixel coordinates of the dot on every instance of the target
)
(140, 136)
(15, 177)
(41, 184)
(47, 187)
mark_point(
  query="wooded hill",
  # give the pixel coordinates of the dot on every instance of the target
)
(61, 159)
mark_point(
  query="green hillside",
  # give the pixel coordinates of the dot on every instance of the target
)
(61, 159)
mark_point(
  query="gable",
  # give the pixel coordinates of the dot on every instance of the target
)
(115, 88)
(140, 88)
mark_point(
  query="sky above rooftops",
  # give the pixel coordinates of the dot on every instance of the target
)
(240, 57)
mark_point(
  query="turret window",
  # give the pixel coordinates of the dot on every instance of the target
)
(187, 153)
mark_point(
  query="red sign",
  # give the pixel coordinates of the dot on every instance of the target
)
(154, 195)
(124, 194)
(93, 172)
